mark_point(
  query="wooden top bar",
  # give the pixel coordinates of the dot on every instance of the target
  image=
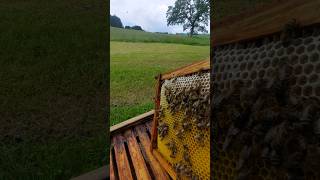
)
(264, 20)
(191, 68)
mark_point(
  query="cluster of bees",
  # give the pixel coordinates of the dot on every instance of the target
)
(183, 168)
(193, 102)
(269, 123)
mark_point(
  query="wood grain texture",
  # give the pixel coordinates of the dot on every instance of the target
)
(264, 21)
(157, 170)
(122, 161)
(138, 161)
(165, 164)
(131, 122)
(112, 174)
(189, 69)
(154, 131)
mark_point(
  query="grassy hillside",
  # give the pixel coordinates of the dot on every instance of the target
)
(52, 88)
(133, 68)
(118, 34)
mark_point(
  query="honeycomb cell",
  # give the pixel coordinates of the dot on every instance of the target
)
(294, 59)
(250, 65)
(298, 70)
(261, 73)
(275, 62)
(314, 58)
(240, 58)
(280, 52)
(313, 78)
(307, 41)
(300, 50)
(318, 68)
(304, 59)
(253, 75)
(225, 76)
(290, 50)
(270, 72)
(317, 90)
(297, 90)
(311, 47)
(308, 69)
(243, 66)
(222, 68)
(292, 81)
(302, 80)
(244, 75)
(263, 55)
(307, 91)
(297, 42)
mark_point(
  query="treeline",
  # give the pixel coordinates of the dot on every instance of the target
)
(116, 22)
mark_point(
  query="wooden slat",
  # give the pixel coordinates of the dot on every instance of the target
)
(164, 164)
(264, 21)
(130, 122)
(122, 161)
(139, 164)
(112, 175)
(149, 125)
(158, 172)
(192, 68)
(154, 130)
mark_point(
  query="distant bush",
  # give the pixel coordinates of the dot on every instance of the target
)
(134, 28)
(115, 22)
(162, 32)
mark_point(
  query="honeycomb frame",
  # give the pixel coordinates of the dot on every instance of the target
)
(182, 78)
(251, 62)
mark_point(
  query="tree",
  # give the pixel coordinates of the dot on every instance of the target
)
(134, 28)
(137, 28)
(115, 22)
(192, 14)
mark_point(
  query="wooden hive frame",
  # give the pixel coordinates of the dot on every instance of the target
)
(183, 71)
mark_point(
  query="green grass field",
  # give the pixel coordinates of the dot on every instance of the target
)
(52, 88)
(118, 34)
(133, 68)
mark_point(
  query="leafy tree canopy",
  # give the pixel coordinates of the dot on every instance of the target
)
(192, 14)
(115, 22)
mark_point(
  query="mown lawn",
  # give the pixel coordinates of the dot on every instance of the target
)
(133, 68)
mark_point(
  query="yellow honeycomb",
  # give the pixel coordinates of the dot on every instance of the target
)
(199, 152)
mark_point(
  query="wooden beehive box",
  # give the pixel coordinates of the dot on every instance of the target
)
(176, 130)
(266, 83)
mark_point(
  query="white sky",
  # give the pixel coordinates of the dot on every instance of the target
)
(149, 14)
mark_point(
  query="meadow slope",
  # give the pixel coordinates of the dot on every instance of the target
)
(133, 68)
(125, 35)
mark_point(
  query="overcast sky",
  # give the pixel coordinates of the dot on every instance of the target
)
(149, 14)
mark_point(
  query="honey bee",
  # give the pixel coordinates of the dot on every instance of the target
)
(180, 133)
(199, 137)
(173, 148)
(163, 129)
